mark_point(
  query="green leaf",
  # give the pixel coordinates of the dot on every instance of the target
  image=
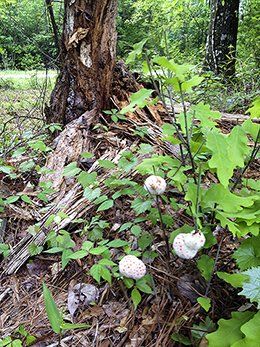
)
(71, 169)
(105, 273)
(136, 297)
(98, 250)
(91, 194)
(235, 279)
(26, 198)
(205, 303)
(30, 339)
(141, 206)
(65, 258)
(33, 229)
(107, 262)
(42, 197)
(18, 152)
(218, 144)
(96, 271)
(95, 234)
(205, 114)
(50, 220)
(248, 254)
(87, 245)
(251, 287)
(127, 161)
(233, 227)
(205, 264)
(86, 178)
(136, 230)
(230, 202)
(117, 243)
(67, 326)
(138, 47)
(182, 339)
(251, 331)
(191, 195)
(125, 226)
(105, 205)
(86, 155)
(6, 341)
(168, 129)
(129, 282)
(141, 285)
(34, 250)
(193, 82)
(106, 164)
(255, 109)
(52, 310)
(144, 241)
(229, 331)
(79, 255)
(37, 144)
(11, 199)
(138, 99)
(251, 128)
(237, 141)
(145, 148)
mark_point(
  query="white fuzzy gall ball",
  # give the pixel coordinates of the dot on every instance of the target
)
(155, 185)
(195, 240)
(181, 249)
(132, 267)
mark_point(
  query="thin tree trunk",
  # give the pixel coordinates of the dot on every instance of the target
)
(222, 37)
(55, 31)
(89, 46)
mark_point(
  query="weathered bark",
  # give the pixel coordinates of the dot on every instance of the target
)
(222, 37)
(89, 46)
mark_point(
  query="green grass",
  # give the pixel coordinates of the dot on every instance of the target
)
(23, 80)
(23, 96)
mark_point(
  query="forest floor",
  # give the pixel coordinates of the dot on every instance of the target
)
(112, 320)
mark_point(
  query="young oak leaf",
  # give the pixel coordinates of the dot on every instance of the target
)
(255, 109)
(237, 140)
(251, 331)
(229, 331)
(205, 115)
(229, 202)
(218, 144)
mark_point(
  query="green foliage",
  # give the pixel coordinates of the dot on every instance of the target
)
(230, 330)
(251, 287)
(54, 315)
(205, 303)
(205, 264)
(248, 254)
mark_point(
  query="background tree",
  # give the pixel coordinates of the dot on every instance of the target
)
(222, 37)
(89, 46)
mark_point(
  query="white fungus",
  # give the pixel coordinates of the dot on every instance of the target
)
(132, 267)
(155, 185)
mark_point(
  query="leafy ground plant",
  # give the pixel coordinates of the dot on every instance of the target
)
(229, 202)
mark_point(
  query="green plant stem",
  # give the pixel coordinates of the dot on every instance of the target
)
(181, 138)
(128, 301)
(187, 134)
(197, 198)
(164, 234)
(252, 157)
(215, 262)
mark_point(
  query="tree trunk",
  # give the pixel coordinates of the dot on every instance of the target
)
(89, 46)
(222, 37)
